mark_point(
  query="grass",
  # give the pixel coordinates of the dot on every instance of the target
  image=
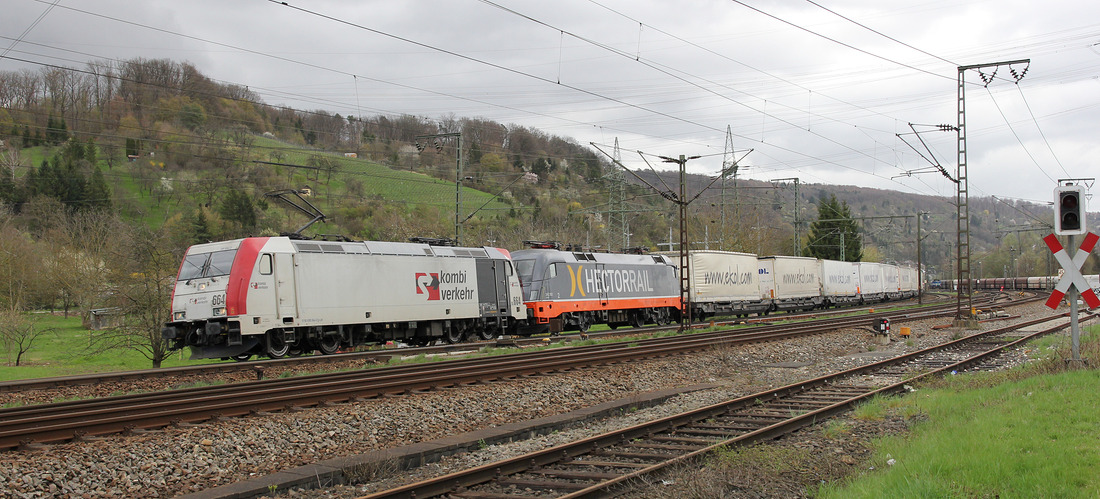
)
(1027, 432)
(65, 351)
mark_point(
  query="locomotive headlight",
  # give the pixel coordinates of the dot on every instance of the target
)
(179, 316)
(202, 286)
(219, 310)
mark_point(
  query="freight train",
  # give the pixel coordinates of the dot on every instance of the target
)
(1040, 283)
(279, 296)
(727, 283)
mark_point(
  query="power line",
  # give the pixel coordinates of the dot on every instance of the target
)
(838, 42)
(888, 37)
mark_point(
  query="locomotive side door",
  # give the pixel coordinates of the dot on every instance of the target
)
(503, 272)
(492, 295)
(285, 288)
(513, 297)
(605, 283)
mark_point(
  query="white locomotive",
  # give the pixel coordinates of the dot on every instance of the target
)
(279, 296)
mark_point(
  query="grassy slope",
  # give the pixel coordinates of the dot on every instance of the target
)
(992, 435)
(383, 182)
(407, 188)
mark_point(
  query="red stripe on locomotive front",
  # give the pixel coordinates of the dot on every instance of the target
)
(236, 293)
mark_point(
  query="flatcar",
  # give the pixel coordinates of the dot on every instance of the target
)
(278, 296)
(840, 283)
(1034, 283)
(725, 283)
(791, 282)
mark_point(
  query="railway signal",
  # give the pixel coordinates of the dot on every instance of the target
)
(1069, 210)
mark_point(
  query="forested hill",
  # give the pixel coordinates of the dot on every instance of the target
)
(163, 147)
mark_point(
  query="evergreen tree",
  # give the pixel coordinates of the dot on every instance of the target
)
(835, 234)
(7, 186)
(56, 132)
(26, 137)
(237, 207)
(90, 152)
(74, 185)
(74, 151)
(98, 192)
(200, 228)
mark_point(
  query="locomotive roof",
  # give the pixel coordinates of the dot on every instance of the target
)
(551, 255)
(285, 244)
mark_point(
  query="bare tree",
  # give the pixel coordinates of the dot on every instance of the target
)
(19, 334)
(144, 275)
(19, 266)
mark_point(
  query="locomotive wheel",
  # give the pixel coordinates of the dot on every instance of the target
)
(583, 322)
(329, 344)
(487, 333)
(242, 357)
(295, 351)
(277, 347)
(636, 319)
(453, 335)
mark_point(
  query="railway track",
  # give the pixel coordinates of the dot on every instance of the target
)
(607, 464)
(25, 426)
(383, 354)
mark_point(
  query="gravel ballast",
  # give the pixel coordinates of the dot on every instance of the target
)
(176, 461)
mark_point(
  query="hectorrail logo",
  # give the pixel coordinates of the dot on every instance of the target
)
(608, 281)
(428, 283)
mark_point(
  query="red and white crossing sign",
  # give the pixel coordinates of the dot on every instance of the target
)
(1072, 267)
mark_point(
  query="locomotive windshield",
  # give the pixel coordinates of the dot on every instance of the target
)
(207, 264)
(525, 269)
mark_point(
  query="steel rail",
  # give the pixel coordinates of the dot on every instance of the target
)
(608, 482)
(367, 355)
(75, 419)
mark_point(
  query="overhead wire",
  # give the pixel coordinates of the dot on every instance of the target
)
(1040, 129)
(1014, 134)
(519, 110)
(27, 31)
(551, 81)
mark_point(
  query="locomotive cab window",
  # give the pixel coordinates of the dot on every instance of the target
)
(220, 262)
(213, 264)
(526, 269)
(265, 264)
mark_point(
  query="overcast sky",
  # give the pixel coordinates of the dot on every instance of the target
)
(818, 90)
